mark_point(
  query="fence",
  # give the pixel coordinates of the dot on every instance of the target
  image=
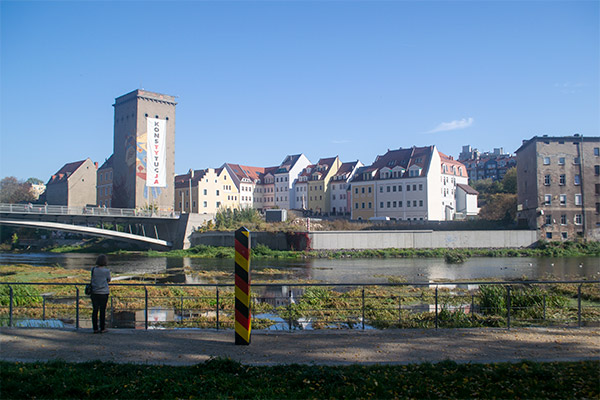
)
(292, 306)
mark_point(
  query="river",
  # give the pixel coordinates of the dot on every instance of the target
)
(190, 270)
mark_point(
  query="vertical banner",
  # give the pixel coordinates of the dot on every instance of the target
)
(156, 162)
(243, 324)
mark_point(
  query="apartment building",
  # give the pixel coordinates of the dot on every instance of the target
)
(418, 183)
(104, 184)
(264, 192)
(340, 187)
(205, 191)
(246, 179)
(284, 177)
(488, 165)
(559, 186)
(73, 185)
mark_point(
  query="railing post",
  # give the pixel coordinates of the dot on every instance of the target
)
(290, 309)
(112, 313)
(43, 307)
(10, 307)
(181, 308)
(472, 306)
(217, 308)
(508, 307)
(399, 311)
(146, 308)
(363, 308)
(544, 303)
(76, 307)
(436, 307)
(579, 305)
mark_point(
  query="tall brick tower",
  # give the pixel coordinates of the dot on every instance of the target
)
(134, 183)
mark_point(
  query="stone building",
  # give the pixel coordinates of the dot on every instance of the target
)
(130, 150)
(73, 185)
(559, 186)
(104, 184)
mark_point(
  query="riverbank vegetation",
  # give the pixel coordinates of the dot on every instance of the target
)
(223, 379)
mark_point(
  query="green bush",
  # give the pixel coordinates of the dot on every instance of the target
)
(23, 295)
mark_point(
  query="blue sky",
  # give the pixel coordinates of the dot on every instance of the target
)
(258, 80)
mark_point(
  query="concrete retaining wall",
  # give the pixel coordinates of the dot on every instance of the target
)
(421, 239)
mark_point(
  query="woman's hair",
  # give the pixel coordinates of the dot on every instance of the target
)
(102, 260)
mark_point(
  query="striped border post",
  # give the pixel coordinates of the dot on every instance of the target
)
(243, 320)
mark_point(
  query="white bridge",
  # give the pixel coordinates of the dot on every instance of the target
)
(159, 229)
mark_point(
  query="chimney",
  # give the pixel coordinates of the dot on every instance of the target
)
(96, 164)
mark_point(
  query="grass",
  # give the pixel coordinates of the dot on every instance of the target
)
(224, 378)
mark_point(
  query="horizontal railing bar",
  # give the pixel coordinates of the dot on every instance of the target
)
(212, 285)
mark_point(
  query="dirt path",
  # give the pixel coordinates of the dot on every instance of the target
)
(185, 347)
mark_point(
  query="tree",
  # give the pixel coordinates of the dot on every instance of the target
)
(509, 182)
(500, 206)
(14, 191)
(34, 181)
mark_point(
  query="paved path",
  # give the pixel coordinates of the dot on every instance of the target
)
(185, 347)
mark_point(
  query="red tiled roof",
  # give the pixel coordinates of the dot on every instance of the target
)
(65, 171)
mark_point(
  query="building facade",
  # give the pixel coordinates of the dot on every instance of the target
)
(205, 191)
(340, 187)
(73, 185)
(245, 179)
(130, 168)
(488, 165)
(559, 186)
(284, 178)
(418, 183)
(104, 184)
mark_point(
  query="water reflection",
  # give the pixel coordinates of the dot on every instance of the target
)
(196, 270)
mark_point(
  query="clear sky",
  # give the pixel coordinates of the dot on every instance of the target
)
(258, 80)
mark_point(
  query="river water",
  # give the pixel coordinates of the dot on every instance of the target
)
(197, 270)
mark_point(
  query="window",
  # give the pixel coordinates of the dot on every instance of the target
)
(389, 189)
(380, 189)
(394, 205)
(369, 189)
(393, 188)
(400, 204)
(408, 203)
(564, 235)
(399, 188)
(356, 206)
(205, 192)
(577, 180)
(563, 219)
(420, 186)
(548, 219)
(546, 160)
(414, 203)
(597, 151)
(596, 170)
(408, 188)
(388, 204)
(356, 192)
(363, 205)
(563, 199)
(563, 179)
(414, 188)
(548, 199)
(381, 204)
(576, 160)
(362, 190)
(561, 161)
(578, 219)
(420, 203)
(370, 205)
(548, 235)
(577, 199)
(547, 180)
(597, 186)
(597, 208)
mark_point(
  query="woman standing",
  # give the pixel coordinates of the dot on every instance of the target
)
(100, 291)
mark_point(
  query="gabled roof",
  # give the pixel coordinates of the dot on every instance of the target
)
(405, 158)
(246, 172)
(288, 163)
(67, 170)
(183, 181)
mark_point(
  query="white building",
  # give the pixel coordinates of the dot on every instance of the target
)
(340, 196)
(285, 176)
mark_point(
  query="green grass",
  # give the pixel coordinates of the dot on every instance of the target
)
(223, 378)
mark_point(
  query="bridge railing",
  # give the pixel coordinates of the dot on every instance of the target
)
(293, 306)
(99, 211)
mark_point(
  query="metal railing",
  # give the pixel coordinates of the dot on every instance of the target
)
(295, 306)
(87, 211)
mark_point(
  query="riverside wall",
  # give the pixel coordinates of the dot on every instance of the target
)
(418, 239)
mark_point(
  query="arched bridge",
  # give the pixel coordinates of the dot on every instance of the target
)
(155, 228)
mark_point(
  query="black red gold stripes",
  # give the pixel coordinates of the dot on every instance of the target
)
(243, 323)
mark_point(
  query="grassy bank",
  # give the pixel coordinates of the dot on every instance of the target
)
(543, 249)
(221, 379)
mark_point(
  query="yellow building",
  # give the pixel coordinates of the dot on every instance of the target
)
(318, 184)
(363, 196)
(205, 191)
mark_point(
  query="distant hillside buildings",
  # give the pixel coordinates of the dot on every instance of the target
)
(486, 165)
